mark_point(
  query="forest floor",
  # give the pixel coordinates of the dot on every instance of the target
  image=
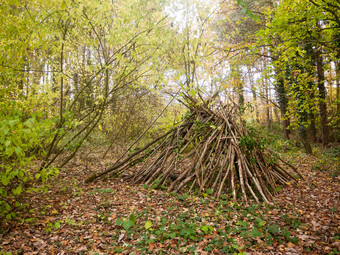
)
(109, 216)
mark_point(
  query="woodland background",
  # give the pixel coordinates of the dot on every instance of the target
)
(87, 78)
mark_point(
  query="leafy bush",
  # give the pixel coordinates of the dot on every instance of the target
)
(21, 139)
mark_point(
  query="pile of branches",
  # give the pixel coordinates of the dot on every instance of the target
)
(210, 149)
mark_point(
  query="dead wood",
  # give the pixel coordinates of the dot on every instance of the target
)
(210, 149)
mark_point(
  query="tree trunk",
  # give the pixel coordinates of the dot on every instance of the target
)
(337, 71)
(310, 69)
(322, 99)
(251, 80)
(312, 128)
(237, 84)
(61, 110)
(282, 98)
(276, 115)
(266, 88)
(300, 97)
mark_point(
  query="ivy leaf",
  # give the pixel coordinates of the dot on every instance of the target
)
(119, 222)
(173, 235)
(18, 151)
(244, 233)
(273, 229)
(17, 191)
(260, 223)
(7, 143)
(132, 218)
(255, 233)
(127, 224)
(57, 225)
(5, 180)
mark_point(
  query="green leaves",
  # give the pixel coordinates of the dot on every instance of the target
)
(207, 229)
(247, 142)
(17, 191)
(5, 179)
(273, 229)
(246, 10)
(132, 218)
(20, 143)
(119, 221)
(255, 233)
(254, 227)
(259, 222)
(126, 224)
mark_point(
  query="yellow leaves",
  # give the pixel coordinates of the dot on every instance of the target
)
(63, 5)
(148, 224)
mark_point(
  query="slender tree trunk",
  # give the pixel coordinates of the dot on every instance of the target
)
(266, 88)
(28, 66)
(310, 69)
(322, 99)
(237, 83)
(38, 73)
(24, 77)
(76, 88)
(61, 81)
(283, 106)
(312, 128)
(281, 97)
(304, 139)
(67, 82)
(90, 90)
(240, 92)
(82, 97)
(271, 110)
(276, 114)
(303, 117)
(300, 98)
(268, 117)
(337, 71)
(251, 80)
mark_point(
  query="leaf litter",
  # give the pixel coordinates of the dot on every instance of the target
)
(110, 216)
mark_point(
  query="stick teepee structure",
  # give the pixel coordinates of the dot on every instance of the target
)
(210, 149)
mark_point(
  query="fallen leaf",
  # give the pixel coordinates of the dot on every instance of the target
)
(290, 244)
(151, 246)
(121, 237)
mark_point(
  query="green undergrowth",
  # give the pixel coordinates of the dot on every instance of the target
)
(273, 139)
(327, 160)
(191, 224)
(323, 159)
(23, 134)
